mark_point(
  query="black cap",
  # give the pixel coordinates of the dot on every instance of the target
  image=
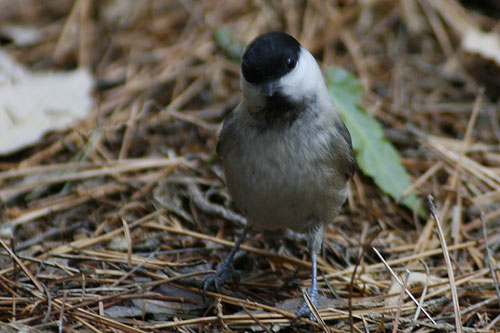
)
(269, 57)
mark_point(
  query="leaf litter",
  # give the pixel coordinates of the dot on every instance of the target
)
(110, 225)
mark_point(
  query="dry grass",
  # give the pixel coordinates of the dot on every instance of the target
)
(114, 222)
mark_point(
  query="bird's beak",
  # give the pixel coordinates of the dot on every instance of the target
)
(268, 89)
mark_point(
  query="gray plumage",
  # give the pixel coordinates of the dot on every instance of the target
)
(285, 173)
(286, 154)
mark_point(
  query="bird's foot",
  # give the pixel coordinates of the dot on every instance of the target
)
(304, 308)
(224, 272)
(225, 269)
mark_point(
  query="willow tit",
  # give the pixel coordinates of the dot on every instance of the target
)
(286, 154)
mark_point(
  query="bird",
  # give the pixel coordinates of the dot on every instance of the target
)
(286, 154)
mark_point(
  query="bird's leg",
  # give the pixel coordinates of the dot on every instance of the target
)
(225, 269)
(315, 242)
(312, 292)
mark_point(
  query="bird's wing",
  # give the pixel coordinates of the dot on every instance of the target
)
(345, 151)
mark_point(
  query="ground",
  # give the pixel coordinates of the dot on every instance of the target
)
(111, 224)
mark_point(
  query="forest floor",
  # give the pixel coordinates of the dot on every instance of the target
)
(110, 225)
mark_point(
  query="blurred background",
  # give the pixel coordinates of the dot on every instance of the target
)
(109, 113)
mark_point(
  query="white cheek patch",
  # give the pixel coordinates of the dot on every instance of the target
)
(304, 79)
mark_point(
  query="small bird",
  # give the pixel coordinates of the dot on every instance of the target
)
(286, 153)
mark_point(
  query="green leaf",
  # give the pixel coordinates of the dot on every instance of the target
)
(224, 39)
(375, 155)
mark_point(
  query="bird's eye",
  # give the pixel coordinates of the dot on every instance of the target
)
(290, 63)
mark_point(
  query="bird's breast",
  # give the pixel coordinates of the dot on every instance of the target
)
(284, 180)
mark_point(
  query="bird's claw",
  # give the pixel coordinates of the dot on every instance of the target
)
(304, 309)
(224, 272)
